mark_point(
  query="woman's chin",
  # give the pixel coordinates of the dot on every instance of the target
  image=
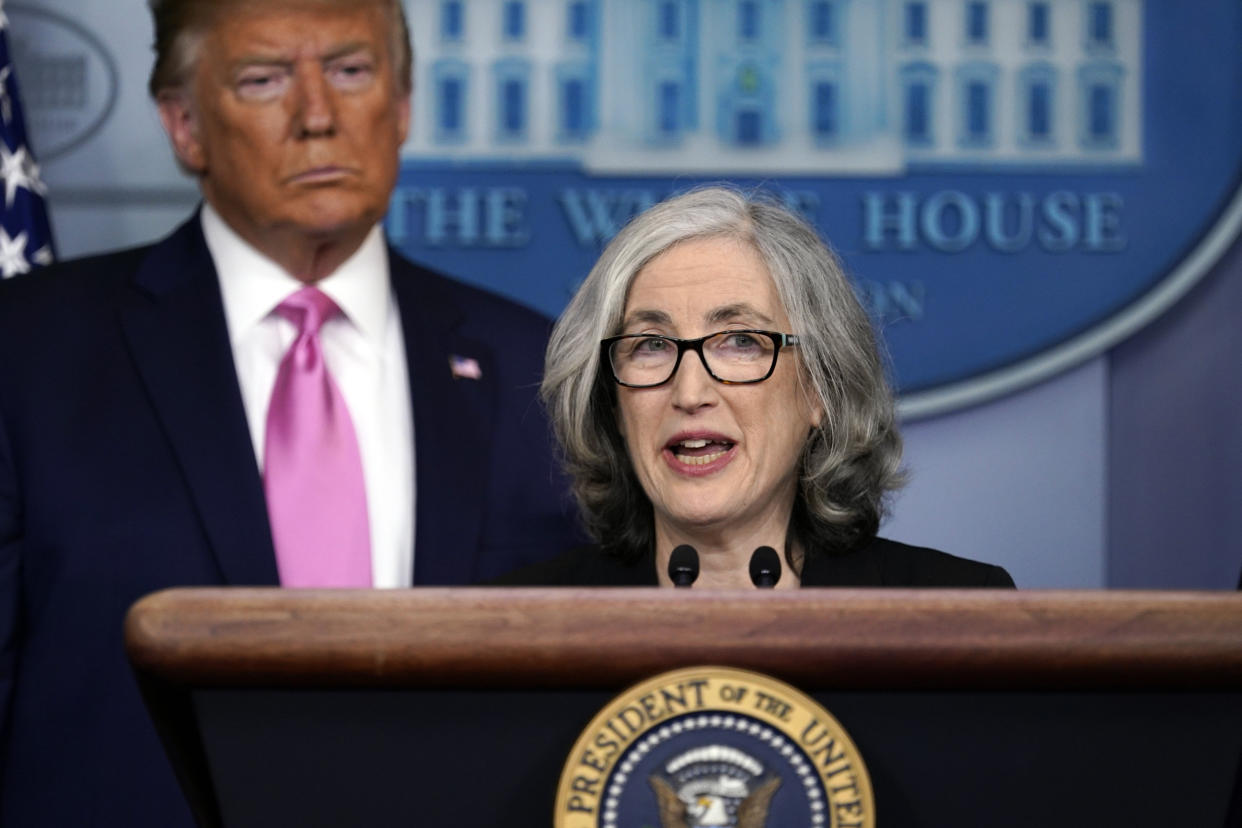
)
(701, 518)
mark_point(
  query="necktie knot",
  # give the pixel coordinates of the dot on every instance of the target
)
(308, 309)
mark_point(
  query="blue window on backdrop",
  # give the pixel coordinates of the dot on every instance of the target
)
(513, 107)
(450, 105)
(978, 111)
(823, 22)
(748, 20)
(1101, 113)
(514, 20)
(1039, 111)
(749, 128)
(669, 107)
(668, 21)
(976, 22)
(1037, 23)
(1100, 24)
(916, 23)
(577, 20)
(573, 107)
(918, 112)
(452, 20)
(1099, 105)
(826, 109)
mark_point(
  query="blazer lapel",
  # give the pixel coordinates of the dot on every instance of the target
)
(179, 340)
(858, 568)
(452, 444)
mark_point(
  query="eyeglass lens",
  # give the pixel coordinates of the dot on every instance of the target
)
(733, 356)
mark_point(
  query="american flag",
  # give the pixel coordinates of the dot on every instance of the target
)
(25, 234)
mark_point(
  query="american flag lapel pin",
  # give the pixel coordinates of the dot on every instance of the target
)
(465, 367)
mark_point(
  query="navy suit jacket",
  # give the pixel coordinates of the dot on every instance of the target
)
(126, 466)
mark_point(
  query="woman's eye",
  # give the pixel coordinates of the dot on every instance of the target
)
(741, 341)
(651, 348)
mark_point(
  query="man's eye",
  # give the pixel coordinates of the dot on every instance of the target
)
(351, 74)
(262, 85)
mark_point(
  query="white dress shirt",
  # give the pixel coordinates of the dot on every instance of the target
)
(364, 350)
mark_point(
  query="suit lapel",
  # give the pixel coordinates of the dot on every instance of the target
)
(179, 341)
(451, 428)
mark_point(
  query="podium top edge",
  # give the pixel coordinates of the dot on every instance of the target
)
(829, 638)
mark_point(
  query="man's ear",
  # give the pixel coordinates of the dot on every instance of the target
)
(180, 122)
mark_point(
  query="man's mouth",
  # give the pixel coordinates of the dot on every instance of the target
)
(321, 175)
(699, 451)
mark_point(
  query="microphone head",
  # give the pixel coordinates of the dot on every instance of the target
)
(765, 567)
(683, 566)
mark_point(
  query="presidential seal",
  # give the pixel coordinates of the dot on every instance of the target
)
(714, 746)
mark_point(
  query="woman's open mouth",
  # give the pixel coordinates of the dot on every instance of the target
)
(699, 452)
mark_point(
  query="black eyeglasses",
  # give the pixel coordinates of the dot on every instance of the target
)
(733, 357)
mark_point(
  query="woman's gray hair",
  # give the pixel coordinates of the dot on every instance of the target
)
(180, 26)
(850, 462)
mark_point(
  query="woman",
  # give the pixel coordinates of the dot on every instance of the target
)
(715, 383)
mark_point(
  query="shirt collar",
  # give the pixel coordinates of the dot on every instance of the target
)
(252, 285)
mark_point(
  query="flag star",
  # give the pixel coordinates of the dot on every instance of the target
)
(13, 254)
(43, 256)
(32, 174)
(18, 169)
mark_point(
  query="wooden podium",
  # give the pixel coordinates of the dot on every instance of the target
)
(458, 707)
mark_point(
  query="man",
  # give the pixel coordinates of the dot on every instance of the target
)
(153, 402)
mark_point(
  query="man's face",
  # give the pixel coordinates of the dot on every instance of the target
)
(294, 121)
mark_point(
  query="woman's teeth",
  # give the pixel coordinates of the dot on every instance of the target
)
(691, 451)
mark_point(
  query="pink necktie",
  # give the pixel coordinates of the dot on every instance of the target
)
(312, 472)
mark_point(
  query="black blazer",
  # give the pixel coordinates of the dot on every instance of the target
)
(880, 563)
(126, 466)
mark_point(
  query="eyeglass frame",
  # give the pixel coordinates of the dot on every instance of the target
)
(779, 340)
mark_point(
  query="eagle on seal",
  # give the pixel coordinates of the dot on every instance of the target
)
(707, 810)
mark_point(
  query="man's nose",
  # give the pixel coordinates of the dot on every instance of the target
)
(315, 106)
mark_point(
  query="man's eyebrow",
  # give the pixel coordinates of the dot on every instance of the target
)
(260, 60)
(348, 49)
(276, 59)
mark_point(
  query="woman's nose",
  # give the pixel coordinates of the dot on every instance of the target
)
(693, 386)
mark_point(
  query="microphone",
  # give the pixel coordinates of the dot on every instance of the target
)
(765, 567)
(683, 566)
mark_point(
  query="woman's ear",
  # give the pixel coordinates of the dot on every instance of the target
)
(814, 406)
